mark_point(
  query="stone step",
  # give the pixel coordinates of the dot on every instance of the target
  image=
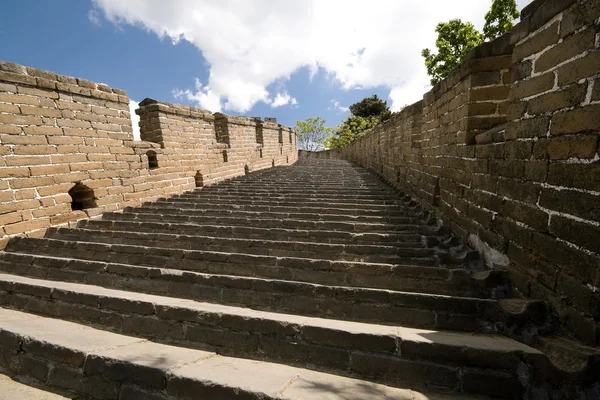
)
(94, 362)
(296, 196)
(326, 251)
(392, 355)
(410, 309)
(263, 190)
(281, 209)
(173, 209)
(283, 202)
(410, 277)
(11, 389)
(354, 227)
(240, 231)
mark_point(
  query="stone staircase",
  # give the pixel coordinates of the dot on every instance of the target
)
(304, 282)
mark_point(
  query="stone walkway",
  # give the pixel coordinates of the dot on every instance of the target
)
(314, 281)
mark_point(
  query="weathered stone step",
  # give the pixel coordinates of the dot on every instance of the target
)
(264, 222)
(397, 356)
(281, 209)
(11, 389)
(381, 206)
(349, 252)
(128, 368)
(240, 231)
(308, 190)
(299, 195)
(173, 209)
(379, 306)
(410, 277)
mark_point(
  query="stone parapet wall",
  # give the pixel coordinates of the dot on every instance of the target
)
(67, 150)
(506, 152)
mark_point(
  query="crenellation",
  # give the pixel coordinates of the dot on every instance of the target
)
(58, 131)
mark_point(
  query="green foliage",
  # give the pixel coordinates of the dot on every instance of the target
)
(365, 115)
(352, 128)
(499, 19)
(312, 133)
(371, 106)
(455, 39)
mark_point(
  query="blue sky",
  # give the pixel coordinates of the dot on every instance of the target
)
(289, 60)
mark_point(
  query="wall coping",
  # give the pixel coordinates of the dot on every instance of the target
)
(46, 80)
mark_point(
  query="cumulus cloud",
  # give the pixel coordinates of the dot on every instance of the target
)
(283, 99)
(204, 96)
(251, 44)
(336, 106)
(135, 119)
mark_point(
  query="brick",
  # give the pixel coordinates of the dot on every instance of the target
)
(579, 204)
(49, 169)
(536, 171)
(489, 93)
(579, 233)
(75, 89)
(19, 119)
(508, 168)
(563, 148)
(73, 123)
(69, 105)
(10, 129)
(37, 92)
(65, 140)
(22, 139)
(25, 160)
(518, 149)
(519, 190)
(10, 218)
(579, 293)
(575, 121)
(40, 111)
(8, 87)
(536, 43)
(16, 78)
(583, 176)
(42, 130)
(27, 226)
(522, 70)
(34, 150)
(18, 99)
(579, 264)
(16, 172)
(596, 90)
(530, 216)
(569, 97)
(485, 78)
(532, 86)
(581, 68)
(580, 15)
(527, 128)
(569, 48)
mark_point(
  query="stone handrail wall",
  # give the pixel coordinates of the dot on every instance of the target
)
(64, 139)
(506, 152)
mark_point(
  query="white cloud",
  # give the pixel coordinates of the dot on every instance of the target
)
(283, 99)
(336, 106)
(135, 119)
(94, 16)
(252, 44)
(204, 96)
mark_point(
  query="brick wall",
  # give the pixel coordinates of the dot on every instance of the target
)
(63, 138)
(506, 151)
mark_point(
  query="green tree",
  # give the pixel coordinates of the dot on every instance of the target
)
(350, 129)
(312, 133)
(371, 106)
(455, 39)
(499, 19)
